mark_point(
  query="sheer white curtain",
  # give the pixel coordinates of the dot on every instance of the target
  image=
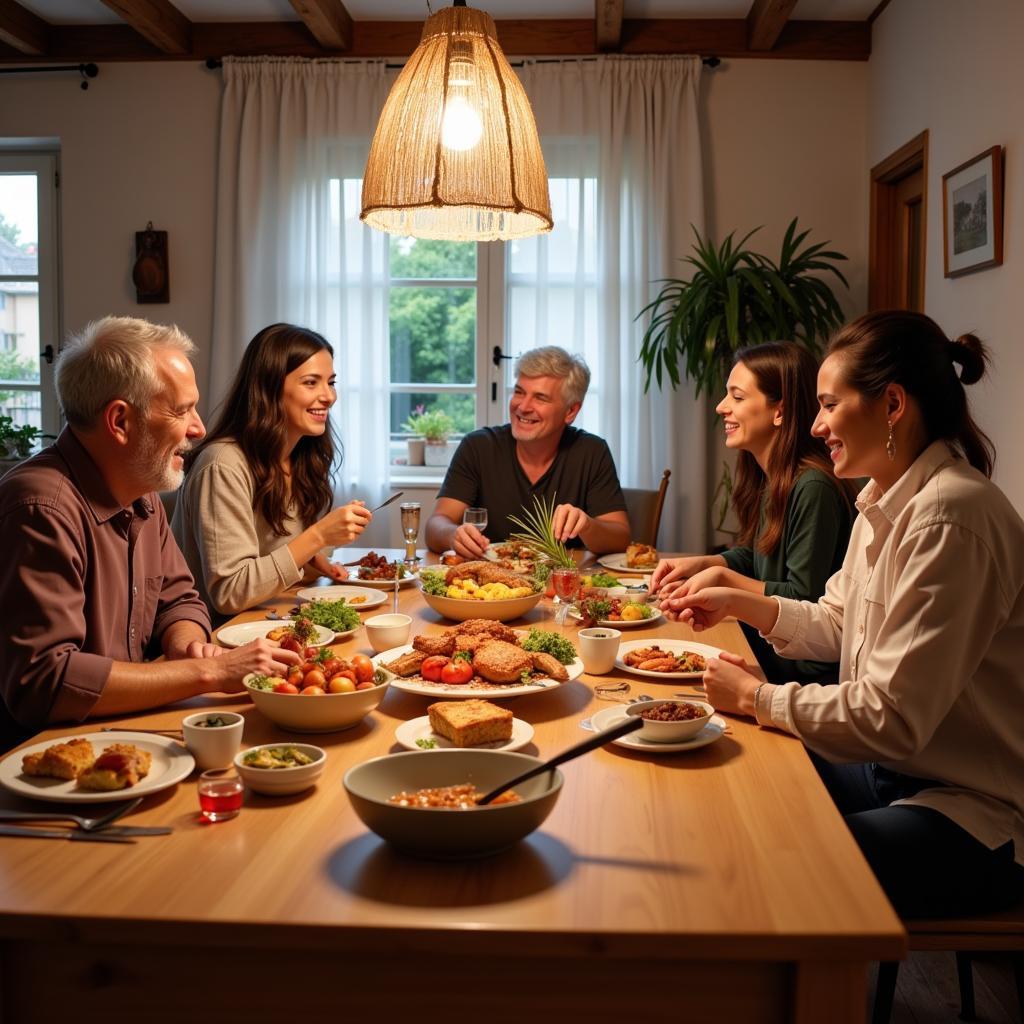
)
(621, 140)
(289, 245)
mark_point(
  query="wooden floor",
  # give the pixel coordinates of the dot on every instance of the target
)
(927, 991)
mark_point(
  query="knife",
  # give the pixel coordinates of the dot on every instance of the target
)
(61, 833)
(384, 504)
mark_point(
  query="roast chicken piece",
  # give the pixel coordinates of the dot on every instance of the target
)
(485, 572)
(407, 664)
(550, 666)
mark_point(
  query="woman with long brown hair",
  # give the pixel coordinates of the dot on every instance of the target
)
(254, 514)
(922, 742)
(794, 517)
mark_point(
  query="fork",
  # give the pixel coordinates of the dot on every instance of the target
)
(86, 824)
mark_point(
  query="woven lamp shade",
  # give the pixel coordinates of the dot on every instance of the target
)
(456, 154)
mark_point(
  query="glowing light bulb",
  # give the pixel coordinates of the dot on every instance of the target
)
(461, 126)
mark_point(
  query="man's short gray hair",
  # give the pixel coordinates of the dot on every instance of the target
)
(552, 361)
(112, 358)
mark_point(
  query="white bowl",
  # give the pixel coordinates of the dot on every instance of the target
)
(450, 834)
(671, 732)
(322, 712)
(502, 611)
(213, 746)
(282, 781)
(387, 631)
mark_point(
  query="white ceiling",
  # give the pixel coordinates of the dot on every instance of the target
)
(93, 12)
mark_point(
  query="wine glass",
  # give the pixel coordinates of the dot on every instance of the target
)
(566, 583)
(476, 517)
(410, 529)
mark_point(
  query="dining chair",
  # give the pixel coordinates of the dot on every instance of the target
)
(644, 510)
(1000, 931)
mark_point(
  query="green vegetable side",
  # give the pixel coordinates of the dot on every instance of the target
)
(336, 615)
(550, 643)
(432, 582)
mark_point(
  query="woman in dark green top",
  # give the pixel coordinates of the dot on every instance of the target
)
(794, 516)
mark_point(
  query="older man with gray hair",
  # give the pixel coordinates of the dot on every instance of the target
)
(97, 584)
(537, 453)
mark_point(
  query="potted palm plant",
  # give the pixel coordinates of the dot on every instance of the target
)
(737, 297)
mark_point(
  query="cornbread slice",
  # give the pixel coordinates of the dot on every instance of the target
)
(61, 761)
(469, 723)
(119, 766)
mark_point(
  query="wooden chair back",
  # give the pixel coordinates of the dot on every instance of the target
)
(644, 510)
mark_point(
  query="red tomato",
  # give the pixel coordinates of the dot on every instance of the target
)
(368, 685)
(286, 688)
(332, 666)
(310, 653)
(315, 678)
(289, 643)
(295, 676)
(432, 666)
(363, 668)
(341, 684)
(457, 672)
(311, 691)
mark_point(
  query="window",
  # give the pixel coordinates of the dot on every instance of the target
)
(29, 319)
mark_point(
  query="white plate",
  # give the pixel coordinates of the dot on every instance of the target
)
(425, 689)
(171, 763)
(608, 717)
(244, 632)
(381, 584)
(419, 729)
(355, 596)
(623, 623)
(673, 647)
(617, 562)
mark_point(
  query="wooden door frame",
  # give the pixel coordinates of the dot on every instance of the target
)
(884, 176)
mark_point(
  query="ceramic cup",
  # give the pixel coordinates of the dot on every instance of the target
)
(213, 746)
(387, 631)
(599, 646)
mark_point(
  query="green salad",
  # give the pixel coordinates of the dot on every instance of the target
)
(550, 643)
(432, 582)
(336, 615)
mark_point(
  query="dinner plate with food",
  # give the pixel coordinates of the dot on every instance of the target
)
(661, 658)
(465, 724)
(617, 612)
(360, 598)
(510, 555)
(96, 768)
(636, 558)
(481, 658)
(373, 570)
(608, 717)
(245, 632)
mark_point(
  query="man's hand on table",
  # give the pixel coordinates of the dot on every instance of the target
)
(201, 649)
(568, 522)
(262, 656)
(469, 542)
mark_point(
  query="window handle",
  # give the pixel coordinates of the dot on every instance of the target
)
(496, 355)
(47, 354)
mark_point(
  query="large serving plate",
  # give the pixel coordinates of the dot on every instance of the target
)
(608, 717)
(245, 632)
(358, 597)
(405, 581)
(494, 692)
(617, 563)
(419, 729)
(171, 763)
(666, 644)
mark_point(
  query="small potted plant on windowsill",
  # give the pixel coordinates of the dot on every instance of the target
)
(17, 443)
(434, 426)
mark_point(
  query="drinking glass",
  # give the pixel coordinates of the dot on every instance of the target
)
(220, 794)
(476, 517)
(566, 583)
(410, 529)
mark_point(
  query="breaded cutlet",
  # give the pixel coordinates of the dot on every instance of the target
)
(500, 662)
(61, 761)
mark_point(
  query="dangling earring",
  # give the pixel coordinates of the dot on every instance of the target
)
(890, 444)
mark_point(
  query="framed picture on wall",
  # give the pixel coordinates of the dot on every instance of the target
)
(972, 214)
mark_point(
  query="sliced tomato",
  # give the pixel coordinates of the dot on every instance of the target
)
(433, 666)
(457, 672)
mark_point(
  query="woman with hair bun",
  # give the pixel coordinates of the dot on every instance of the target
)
(254, 514)
(922, 742)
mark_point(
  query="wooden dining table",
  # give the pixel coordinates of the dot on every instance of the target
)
(717, 883)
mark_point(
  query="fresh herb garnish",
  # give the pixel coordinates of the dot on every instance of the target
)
(550, 643)
(334, 615)
(426, 744)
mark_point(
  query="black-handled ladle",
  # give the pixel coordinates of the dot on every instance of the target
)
(627, 726)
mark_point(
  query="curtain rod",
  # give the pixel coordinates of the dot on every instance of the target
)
(212, 63)
(85, 70)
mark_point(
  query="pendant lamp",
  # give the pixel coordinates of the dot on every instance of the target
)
(456, 154)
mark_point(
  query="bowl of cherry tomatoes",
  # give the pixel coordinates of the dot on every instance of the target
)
(323, 694)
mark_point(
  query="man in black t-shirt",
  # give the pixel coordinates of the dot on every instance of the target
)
(537, 453)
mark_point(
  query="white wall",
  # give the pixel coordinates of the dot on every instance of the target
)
(955, 68)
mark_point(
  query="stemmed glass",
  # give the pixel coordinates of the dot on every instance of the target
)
(410, 529)
(476, 517)
(566, 582)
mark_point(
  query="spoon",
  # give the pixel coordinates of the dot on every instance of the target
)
(621, 729)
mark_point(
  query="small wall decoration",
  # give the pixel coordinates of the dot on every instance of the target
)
(972, 214)
(151, 272)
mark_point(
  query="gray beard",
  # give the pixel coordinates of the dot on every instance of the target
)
(145, 464)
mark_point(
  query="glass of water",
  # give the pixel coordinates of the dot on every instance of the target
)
(410, 529)
(476, 517)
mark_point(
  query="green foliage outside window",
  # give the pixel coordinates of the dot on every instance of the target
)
(15, 367)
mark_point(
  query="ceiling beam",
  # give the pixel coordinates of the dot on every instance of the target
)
(22, 29)
(328, 20)
(608, 24)
(157, 21)
(800, 40)
(765, 22)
